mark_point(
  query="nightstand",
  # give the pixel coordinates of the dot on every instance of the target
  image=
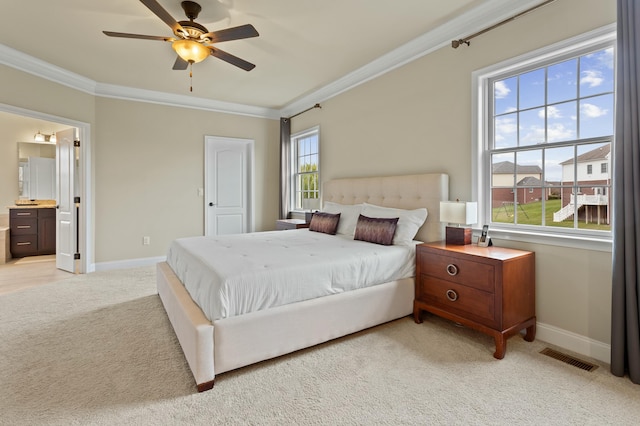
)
(282, 224)
(489, 289)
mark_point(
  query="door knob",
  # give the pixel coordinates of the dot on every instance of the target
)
(211, 204)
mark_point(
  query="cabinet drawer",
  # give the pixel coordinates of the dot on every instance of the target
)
(465, 301)
(16, 213)
(24, 245)
(460, 271)
(24, 226)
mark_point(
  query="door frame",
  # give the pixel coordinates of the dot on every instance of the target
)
(85, 236)
(249, 145)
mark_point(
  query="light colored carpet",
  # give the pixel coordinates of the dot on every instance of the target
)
(98, 349)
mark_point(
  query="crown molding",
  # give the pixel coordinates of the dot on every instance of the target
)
(487, 14)
(15, 59)
(474, 20)
(182, 101)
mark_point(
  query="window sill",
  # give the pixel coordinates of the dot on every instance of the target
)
(571, 241)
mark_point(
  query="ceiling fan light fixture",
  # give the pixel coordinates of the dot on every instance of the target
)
(191, 51)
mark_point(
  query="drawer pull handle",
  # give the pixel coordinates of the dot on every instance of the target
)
(452, 269)
(23, 214)
(23, 226)
(23, 244)
(452, 295)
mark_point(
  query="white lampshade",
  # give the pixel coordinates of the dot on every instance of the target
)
(460, 212)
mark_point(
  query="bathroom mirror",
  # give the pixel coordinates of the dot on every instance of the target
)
(36, 170)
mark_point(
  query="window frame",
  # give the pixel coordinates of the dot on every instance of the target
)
(599, 38)
(293, 178)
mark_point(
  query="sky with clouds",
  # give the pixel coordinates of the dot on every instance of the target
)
(566, 101)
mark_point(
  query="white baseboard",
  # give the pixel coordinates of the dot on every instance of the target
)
(574, 342)
(127, 264)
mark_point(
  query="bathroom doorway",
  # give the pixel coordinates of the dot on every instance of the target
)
(16, 122)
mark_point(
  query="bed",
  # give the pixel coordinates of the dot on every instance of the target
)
(226, 342)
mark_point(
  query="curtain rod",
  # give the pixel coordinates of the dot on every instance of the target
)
(302, 112)
(465, 40)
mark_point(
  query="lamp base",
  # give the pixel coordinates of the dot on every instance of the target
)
(458, 236)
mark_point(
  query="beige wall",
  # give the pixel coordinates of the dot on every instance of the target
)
(149, 164)
(22, 90)
(418, 119)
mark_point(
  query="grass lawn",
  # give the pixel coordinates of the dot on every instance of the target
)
(531, 214)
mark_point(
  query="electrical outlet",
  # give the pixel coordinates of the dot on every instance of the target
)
(146, 241)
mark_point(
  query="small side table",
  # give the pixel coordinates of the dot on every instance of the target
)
(283, 224)
(489, 289)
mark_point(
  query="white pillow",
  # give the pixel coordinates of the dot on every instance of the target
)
(408, 223)
(348, 216)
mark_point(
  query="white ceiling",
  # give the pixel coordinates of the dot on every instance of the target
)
(306, 48)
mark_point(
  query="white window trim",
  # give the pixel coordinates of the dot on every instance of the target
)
(294, 162)
(480, 138)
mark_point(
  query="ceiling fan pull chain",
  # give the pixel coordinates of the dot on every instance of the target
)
(191, 76)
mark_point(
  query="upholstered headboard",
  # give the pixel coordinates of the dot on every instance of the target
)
(404, 192)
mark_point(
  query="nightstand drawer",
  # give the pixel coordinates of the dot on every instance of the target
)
(457, 298)
(460, 271)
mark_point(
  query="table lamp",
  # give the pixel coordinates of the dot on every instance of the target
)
(460, 213)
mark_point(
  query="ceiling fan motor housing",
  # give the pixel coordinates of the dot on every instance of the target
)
(191, 9)
(193, 29)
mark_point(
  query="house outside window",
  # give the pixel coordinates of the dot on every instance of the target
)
(544, 120)
(306, 170)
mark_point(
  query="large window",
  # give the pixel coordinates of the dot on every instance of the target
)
(306, 169)
(544, 157)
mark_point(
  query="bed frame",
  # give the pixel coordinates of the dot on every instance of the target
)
(230, 343)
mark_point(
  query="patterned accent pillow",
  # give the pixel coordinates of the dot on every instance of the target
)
(326, 223)
(408, 225)
(376, 230)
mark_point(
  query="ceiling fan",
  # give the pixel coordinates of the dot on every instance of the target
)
(192, 41)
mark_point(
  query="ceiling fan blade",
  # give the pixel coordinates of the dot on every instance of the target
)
(180, 64)
(233, 60)
(228, 34)
(161, 13)
(142, 36)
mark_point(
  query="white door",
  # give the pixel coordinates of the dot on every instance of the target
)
(228, 185)
(66, 218)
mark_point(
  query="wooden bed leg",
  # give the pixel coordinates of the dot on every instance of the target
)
(202, 387)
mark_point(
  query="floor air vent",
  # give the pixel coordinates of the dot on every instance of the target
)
(567, 359)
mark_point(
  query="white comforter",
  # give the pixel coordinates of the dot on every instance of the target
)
(236, 274)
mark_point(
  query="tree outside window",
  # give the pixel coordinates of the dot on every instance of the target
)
(306, 181)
